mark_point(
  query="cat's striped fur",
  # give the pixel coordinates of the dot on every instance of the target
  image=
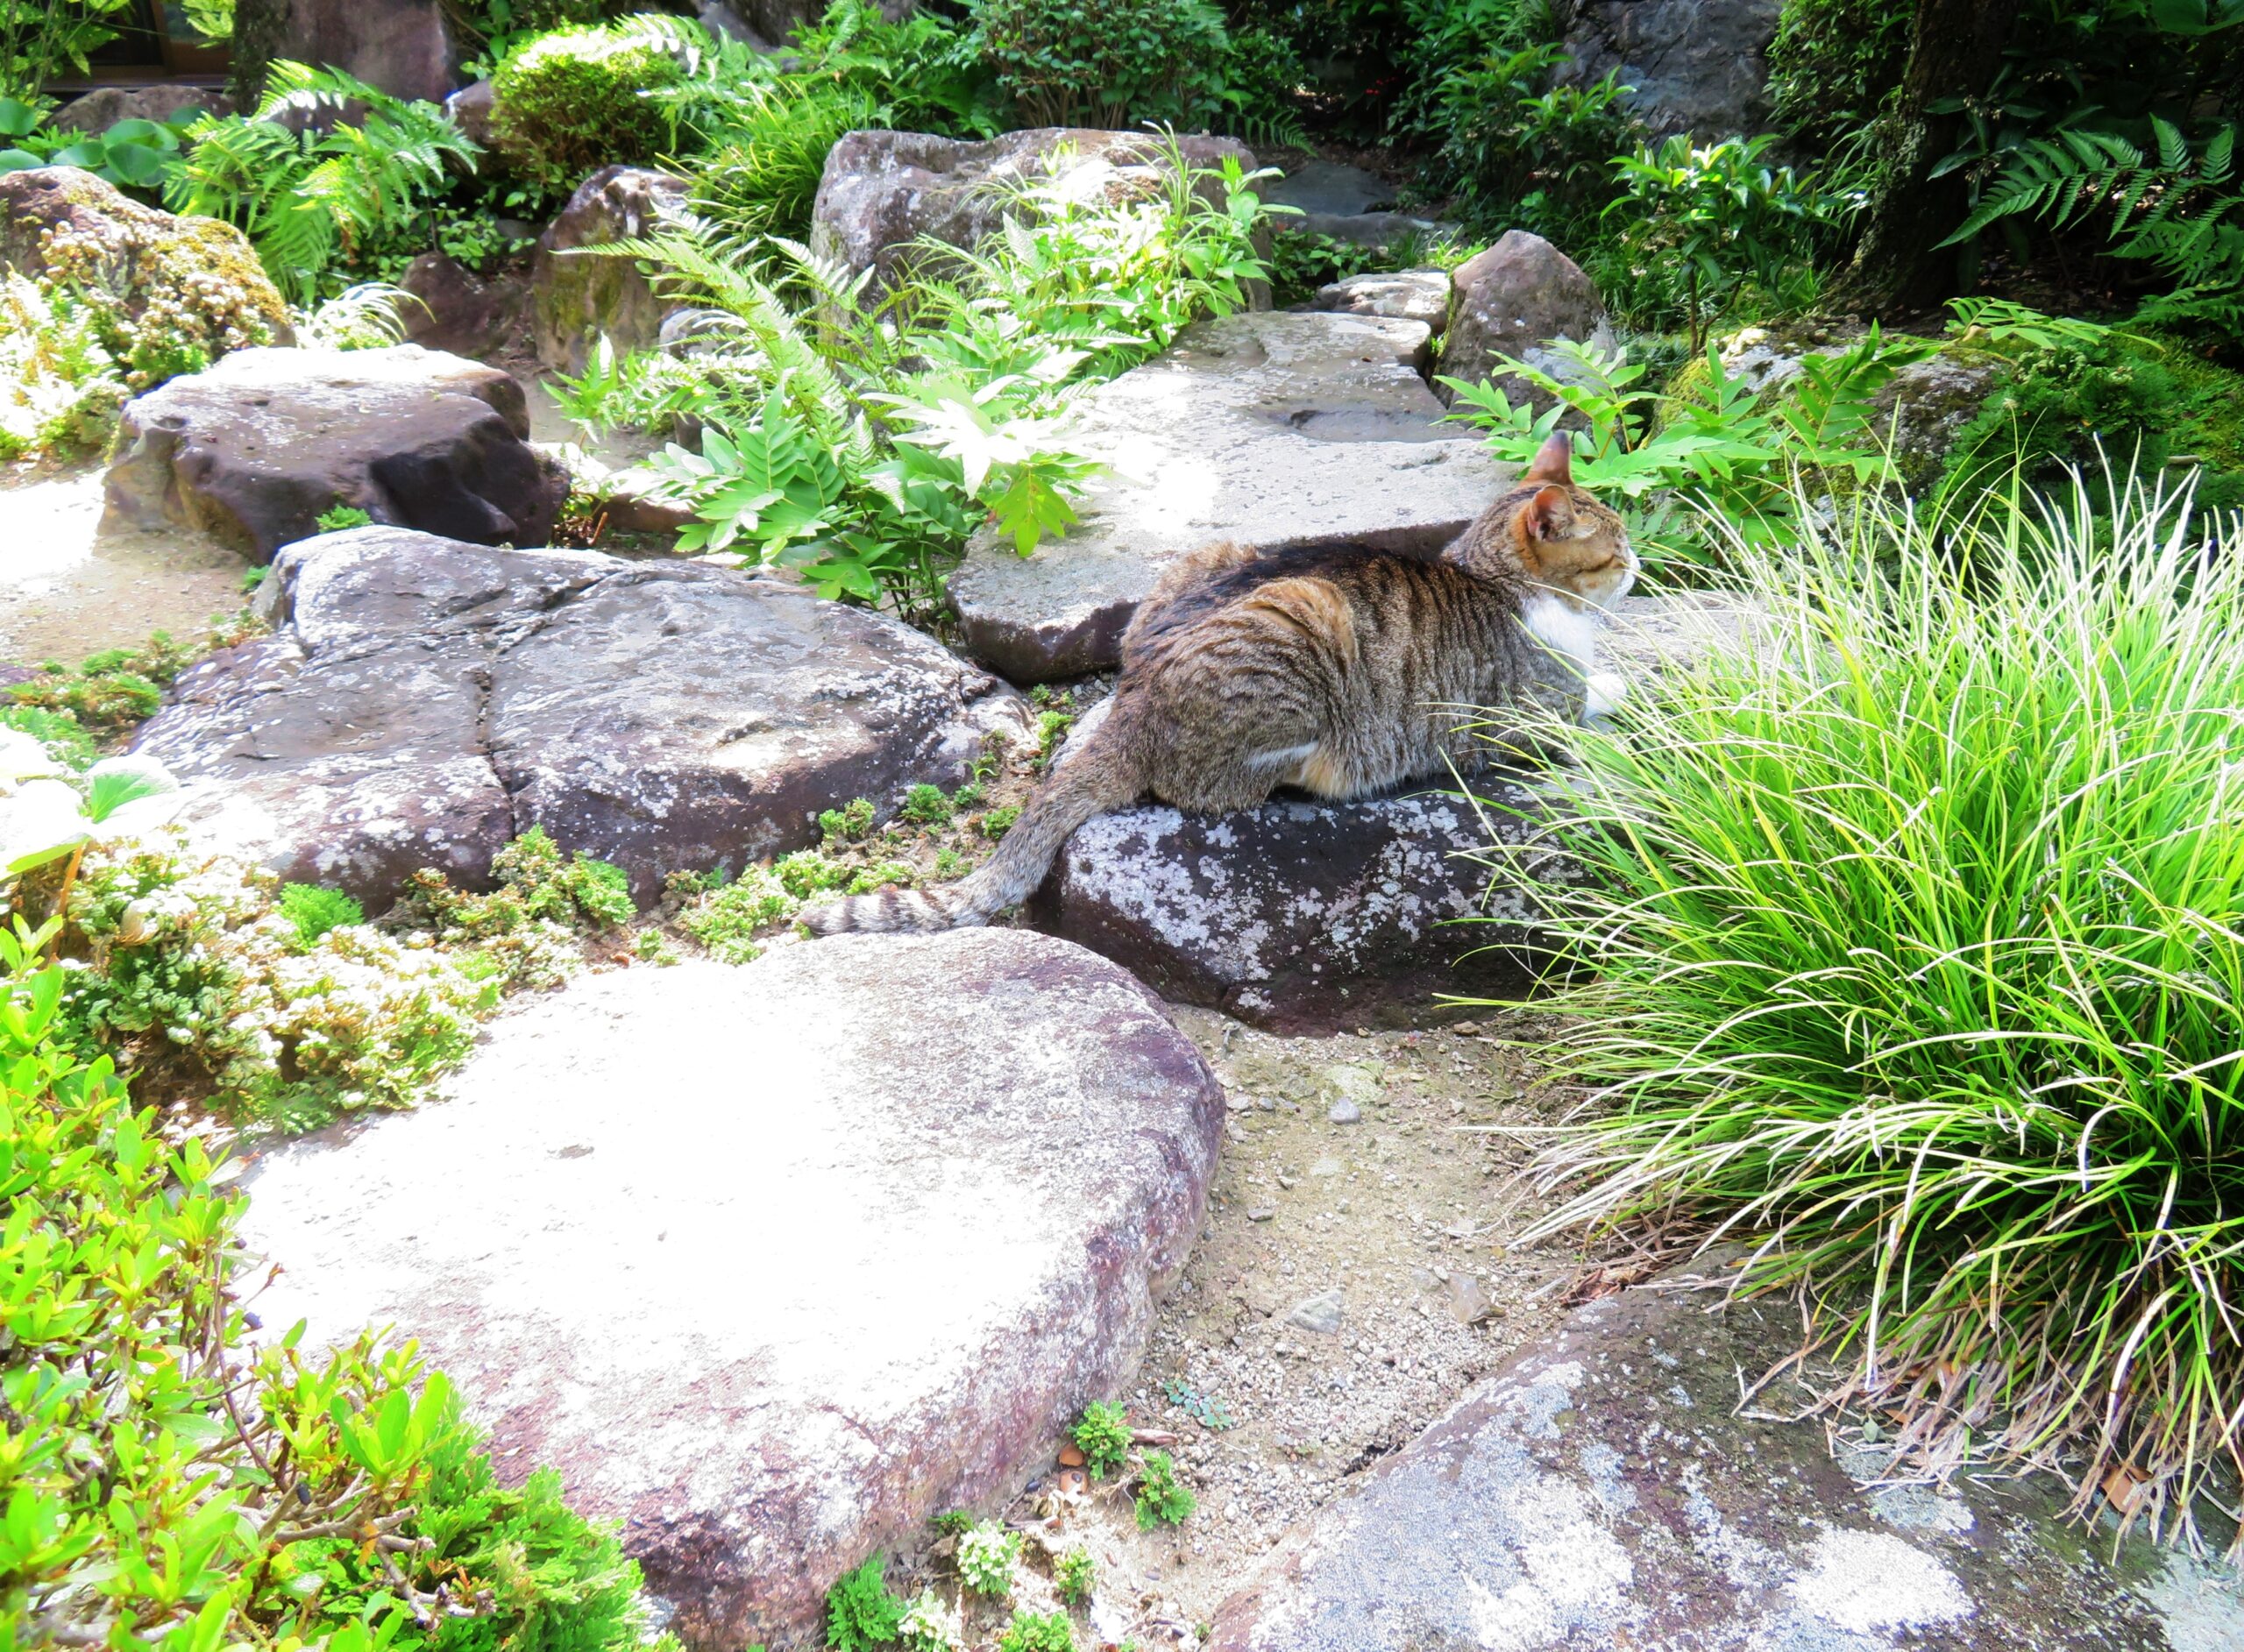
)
(1340, 670)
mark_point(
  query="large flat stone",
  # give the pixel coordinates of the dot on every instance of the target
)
(423, 701)
(774, 1263)
(255, 449)
(1271, 429)
(1602, 1490)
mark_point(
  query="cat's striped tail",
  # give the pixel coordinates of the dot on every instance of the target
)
(1102, 775)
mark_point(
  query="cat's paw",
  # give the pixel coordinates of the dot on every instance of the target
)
(1603, 694)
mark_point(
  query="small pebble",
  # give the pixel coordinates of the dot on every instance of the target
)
(1345, 1112)
(1261, 1213)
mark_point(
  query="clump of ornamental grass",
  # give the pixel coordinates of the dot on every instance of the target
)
(1913, 935)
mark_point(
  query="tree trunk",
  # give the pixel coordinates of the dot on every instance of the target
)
(260, 26)
(1955, 51)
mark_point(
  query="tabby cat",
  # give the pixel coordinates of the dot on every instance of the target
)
(1340, 670)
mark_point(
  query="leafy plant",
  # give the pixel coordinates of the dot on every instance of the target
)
(2183, 210)
(327, 173)
(1074, 1576)
(1030, 1632)
(314, 911)
(925, 804)
(762, 173)
(568, 103)
(61, 388)
(131, 154)
(929, 1626)
(1101, 1434)
(338, 518)
(860, 1612)
(112, 690)
(729, 914)
(1699, 219)
(1110, 64)
(1535, 158)
(1161, 1499)
(1916, 946)
(987, 1554)
(853, 820)
(248, 1498)
(526, 931)
(39, 40)
(1202, 1407)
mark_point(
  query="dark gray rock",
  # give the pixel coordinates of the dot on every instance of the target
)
(774, 1263)
(1330, 188)
(1303, 916)
(1699, 65)
(99, 111)
(458, 311)
(883, 192)
(472, 108)
(1380, 231)
(423, 701)
(1602, 1491)
(252, 451)
(1408, 295)
(400, 47)
(1264, 429)
(577, 297)
(1517, 299)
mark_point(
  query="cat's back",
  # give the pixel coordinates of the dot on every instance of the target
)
(1330, 596)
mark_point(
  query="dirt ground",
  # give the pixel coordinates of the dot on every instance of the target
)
(1399, 1218)
(67, 589)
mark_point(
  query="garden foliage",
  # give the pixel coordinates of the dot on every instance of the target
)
(1917, 934)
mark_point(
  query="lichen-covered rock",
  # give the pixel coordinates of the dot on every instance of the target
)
(99, 111)
(180, 292)
(1698, 65)
(883, 192)
(254, 451)
(575, 297)
(1517, 298)
(1602, 1491)
(1269, 429)
(774, 1263)
(1923, 408)
(1304, 916)
(1407, 295)
(423, 701)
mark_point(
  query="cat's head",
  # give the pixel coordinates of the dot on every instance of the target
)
(1555, 534)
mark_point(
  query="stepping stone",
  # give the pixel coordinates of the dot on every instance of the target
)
(1410, 296)
(255, 449)
(423, 701)
(774, 1263)
(1329, 186)
(1601, 1491)
(1268, 429)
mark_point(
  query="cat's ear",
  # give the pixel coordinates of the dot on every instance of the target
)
(1554, 461)
(1550, 515)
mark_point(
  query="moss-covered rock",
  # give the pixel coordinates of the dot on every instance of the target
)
(176, 293)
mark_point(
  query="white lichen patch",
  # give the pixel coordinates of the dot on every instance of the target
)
(1867, 1581)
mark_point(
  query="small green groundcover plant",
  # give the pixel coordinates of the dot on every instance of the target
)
(1101, 1434)
(1162, 1498)
(1914, 941)
(166, 1483)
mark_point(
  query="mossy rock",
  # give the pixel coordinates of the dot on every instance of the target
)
(180, 292)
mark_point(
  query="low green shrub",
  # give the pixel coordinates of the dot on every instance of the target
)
(568, 103)
(1161, 1500)
(761, 174)
(1101, 1434)
(529, 931)
(1916, 939)
(1030, 1632)
(728, 914)
(164, 1479)
(860, 1612)
(1074, 1576)
(314, 911)
(108, 692)
(987, 1554)
(60, 389)
(1107, 63)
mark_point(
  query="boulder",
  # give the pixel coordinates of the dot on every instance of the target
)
(1923, 409)
(1303, 916)
(1517, 299)
(399, 47)
(422, 701)
(1408, 295)
(193, 282)
(255, 449)
(458, 311)
(99, 111)
(1271, 429)
(882, 1213)
(1309, 916)
(574, 300)
(883, 192)
(1602, 1490)
(1698, 65)
(472, 108)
